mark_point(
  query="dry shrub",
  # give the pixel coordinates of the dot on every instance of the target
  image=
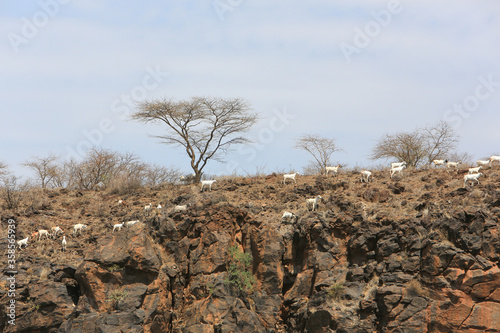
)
(11, 192)
(124, 185)
(35, 200)
(415, 288)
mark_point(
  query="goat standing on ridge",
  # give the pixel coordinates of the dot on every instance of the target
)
(181, 208)
(118, 227)
(131, 223)
(313, 203)
(453, 164)
(55, 231)
(290, 176)
(207, 183)
(482, 162)
(397, 169)
(23, 242)
(397, 164)
(439, 162)
(41, 233)
(472, 177)
(474, 170)
(77, 228)
(288, 217)
(365, 176)
(494, 158)
(333, 169)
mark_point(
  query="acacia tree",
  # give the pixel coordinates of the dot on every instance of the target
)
(417, 147)
(204, 127)
(320, 148)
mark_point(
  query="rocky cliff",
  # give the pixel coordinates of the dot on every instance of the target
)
(417, 253)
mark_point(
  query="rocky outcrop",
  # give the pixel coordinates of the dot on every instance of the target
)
(353, 266)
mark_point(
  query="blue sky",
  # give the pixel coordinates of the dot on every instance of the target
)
(348, 70)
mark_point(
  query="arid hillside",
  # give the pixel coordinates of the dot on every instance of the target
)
(415, 253)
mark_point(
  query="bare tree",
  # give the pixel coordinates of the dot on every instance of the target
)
(464, 158)
(320, 148)
(11, 192)
(205, 127)
(44, 167)
(404, 146)
(95, 171)
(101, 166)
(157, 174)
(441, 140)
(417, 147)
(62, 176)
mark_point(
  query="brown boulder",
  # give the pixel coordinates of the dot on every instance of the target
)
(484, 316)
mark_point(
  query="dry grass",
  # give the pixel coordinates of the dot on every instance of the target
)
(336, 291)
(414, 287)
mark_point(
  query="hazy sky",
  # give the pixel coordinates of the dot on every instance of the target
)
(72, 71)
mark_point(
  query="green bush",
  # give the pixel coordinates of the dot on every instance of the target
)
(336, 291)
(239, 274)
(115, 268)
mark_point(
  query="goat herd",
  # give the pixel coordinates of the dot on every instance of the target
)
(396, 167)
(312, 204)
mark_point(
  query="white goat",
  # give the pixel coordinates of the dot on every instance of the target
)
(482, 162)
(397, 169)
(78, 228)
(131, 223)
(473, 177)
(494, 158)
(181, 208)
(453, 164)
(290, 176)
(313, 203)
(56, 231)
(288, 217)
(159, 206)
(397, 164)
(474, 170)
(365, 176)
(333, 169)
(41, 233)
(64, 243)
(439, 162)
(207, 183)
(147, 208)
(122, 203)
(23, 242)
(118, 227)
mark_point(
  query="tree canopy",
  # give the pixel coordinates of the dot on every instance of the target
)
(419, 146)
(205, 127)
(320, 148)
